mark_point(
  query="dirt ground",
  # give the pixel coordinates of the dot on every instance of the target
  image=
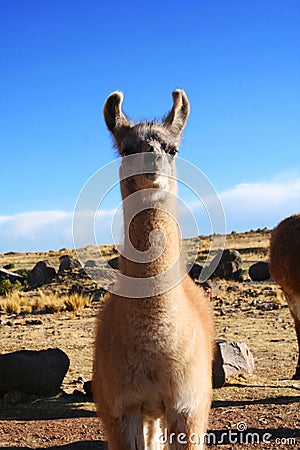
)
(257, 412)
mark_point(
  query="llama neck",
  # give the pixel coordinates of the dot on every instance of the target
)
(152, 240)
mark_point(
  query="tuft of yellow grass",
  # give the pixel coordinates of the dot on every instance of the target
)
(16, 302)
(75, 302)
(12, 303)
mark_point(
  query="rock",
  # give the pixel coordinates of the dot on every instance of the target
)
(231, 359)
(88, 388)
(43, 272)
(230, 265)
(11, 276)
(33, 322)
(114, 263)
(91, 263)
(68, 264)
(195, 271)
(33, 372)
(259, 271)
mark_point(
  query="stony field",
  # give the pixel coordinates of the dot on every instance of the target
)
(261, 411)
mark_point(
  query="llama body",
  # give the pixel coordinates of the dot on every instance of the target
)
(153, 358)
(285, 268)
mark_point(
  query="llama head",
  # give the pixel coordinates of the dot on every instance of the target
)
(147, 148)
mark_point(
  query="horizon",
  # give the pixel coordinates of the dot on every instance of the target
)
(239, 64)
(201, 236)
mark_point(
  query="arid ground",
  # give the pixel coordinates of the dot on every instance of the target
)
(261, 411)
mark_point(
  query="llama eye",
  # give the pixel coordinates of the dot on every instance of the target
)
(173, 151)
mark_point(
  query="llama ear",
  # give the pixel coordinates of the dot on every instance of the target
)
(177, 117)
(115, 119)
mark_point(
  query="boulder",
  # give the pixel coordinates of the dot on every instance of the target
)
(195, 271)
(33, 372)
(91, 263)
(259, 271)
(88, 388)
(114, 263)
(68, 264)
(231, 359)
(43, 272)
(229, 266)
(11, 276)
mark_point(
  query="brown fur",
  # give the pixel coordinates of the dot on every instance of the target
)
(285, 268)
(153, 357)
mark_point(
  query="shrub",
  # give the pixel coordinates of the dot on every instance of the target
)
(76, 301)
(9, 266)
(6, 286)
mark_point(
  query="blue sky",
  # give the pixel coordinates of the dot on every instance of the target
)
(238, 61)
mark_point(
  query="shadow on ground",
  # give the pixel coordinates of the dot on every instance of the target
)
(65, 407)
(82, 445)
(283, 400)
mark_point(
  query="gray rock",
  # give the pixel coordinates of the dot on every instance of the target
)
(231, 359)
(11, 276)
(43, 272)
(114, 263)
(259, 271)
(230, 265)
(33, 372)
(88, 388)
(68, 264)
(195, 271)
(91, 263)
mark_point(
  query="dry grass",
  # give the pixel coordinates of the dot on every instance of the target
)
(17, 302)
(75, 302)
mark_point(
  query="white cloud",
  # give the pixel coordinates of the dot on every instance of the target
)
(45, 230)
(35, 230)
(251, 205)
(258, 205)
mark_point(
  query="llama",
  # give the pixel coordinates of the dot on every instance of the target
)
(285, 268)
(153, 356)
